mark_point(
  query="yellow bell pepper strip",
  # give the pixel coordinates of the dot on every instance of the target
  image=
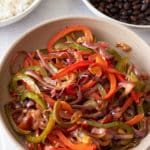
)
(101, 61)
(39, 69)
(14, 87)
(113, 86)
(87, 33)
(12, 122)
(56, 110)
(95, 69)
(45, 132)
(34, 97)
(71, 68)
(111, 125)
(72, 145)
(136, 119)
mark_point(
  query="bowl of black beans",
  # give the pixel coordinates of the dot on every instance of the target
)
(135, 13)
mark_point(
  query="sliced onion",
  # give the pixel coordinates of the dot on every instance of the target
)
(100, 47)
(44, 64)
(38, 78)
(128, 86)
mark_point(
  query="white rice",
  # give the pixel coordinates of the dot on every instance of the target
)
(10, 8)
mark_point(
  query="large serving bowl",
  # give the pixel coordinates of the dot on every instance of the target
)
(38, 38)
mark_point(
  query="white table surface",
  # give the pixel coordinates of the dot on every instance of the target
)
(47, 9)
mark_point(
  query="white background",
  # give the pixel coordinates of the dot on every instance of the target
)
(47, 9)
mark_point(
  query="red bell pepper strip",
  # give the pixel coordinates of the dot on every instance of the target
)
(113, 86)
(73, 146)
(88, 85)
(73, 128)
(87, 33)
(107, 119)
(71, 68)
(135, 119)
(135, 96)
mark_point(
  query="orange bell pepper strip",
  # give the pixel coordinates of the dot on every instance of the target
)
(135, 119)
(127, 103)
(65, 105)
(48, 99)
(74, 146)
(53, 148)
(113, 87)
(71, 68)
(87, 33)
(101, 61)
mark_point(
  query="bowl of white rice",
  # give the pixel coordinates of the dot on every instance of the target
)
(14, 10)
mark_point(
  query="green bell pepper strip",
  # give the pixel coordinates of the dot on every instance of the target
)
(34, 97)
(115, 54)
(14, 87)
(12, 122)
(110, 125)
(139, 83)
(46, 131)
(73, 45)
(101, 90)
(56, 111)
(80, 47)
(39, 69)
(122, 64)
(140, 110)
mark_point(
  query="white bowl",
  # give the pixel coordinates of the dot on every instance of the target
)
(39, 36)
(99, 13)
(21, 15)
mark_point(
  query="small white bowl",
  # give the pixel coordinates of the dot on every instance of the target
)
(99, 13)
(38, 38)
(21, 15)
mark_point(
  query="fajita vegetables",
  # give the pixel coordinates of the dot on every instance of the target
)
(78, 94)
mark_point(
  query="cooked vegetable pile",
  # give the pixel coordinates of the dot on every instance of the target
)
(78, 94)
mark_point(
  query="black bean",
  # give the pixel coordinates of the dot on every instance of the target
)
(133, 18)
(146, 1)
(144, 7)
(147, 12)
(141, 15)
(136, 12)
(123, 12)
(136, 2)
(126, 6)
(137, 6)
(129, 11)
(114, 9)
(148, 18)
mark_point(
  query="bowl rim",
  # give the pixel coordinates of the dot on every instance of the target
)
(21, 15)
(100, 14)
(57, 19)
